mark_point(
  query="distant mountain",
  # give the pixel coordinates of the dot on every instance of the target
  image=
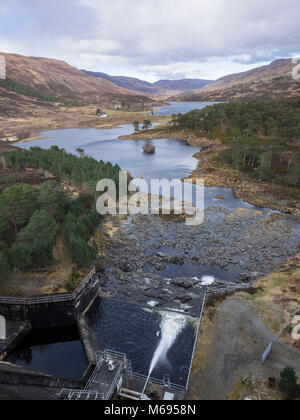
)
(183, 85)
(271, 82)
(162, 87)
(59, 79)
(124, 82)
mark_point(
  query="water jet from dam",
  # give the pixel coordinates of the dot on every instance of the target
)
(172, 324)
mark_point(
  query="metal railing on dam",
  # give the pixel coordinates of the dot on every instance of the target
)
(228, 289)
(103, 382)
(53, 298)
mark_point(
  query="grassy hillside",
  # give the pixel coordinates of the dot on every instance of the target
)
(58, 79)
(28, 91)
(271, 82)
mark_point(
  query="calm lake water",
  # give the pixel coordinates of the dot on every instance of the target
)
(56, 351)
(181, 107)
(173, 158)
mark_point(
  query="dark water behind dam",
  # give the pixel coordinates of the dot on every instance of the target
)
(56, 351)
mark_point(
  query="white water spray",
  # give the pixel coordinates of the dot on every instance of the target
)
(172, 324)
(207, 280)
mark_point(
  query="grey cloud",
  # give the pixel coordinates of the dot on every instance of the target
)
(156, 32)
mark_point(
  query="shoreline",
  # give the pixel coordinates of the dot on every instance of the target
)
(83, 117)
(209, 168)
(269, 195)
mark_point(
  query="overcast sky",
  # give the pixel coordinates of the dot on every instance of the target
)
(153, 39)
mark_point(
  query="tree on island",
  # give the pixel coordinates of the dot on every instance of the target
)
(136, 126)
(146, 125)
(99, 112)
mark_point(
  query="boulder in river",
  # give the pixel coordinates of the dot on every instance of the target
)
(186, 283)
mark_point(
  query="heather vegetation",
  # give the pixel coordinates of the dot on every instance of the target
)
(261, 138)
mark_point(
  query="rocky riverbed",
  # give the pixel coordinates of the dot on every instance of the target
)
(162, 261)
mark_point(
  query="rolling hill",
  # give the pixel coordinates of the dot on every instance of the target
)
(58, 79)
(271, 82)
(162, 87)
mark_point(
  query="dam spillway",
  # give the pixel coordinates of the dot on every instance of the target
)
(139, 332)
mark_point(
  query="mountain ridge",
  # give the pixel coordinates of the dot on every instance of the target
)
(58, 78)
(270, 82)
(161, 87)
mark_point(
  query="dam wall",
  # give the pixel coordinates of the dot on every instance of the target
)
(51, 310)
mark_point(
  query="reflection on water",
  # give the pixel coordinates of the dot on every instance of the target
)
(57, 352)
(173, 158)
(136, 331)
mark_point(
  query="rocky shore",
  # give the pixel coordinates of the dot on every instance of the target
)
(165, 262)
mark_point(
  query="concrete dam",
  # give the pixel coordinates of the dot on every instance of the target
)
(154, 361)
